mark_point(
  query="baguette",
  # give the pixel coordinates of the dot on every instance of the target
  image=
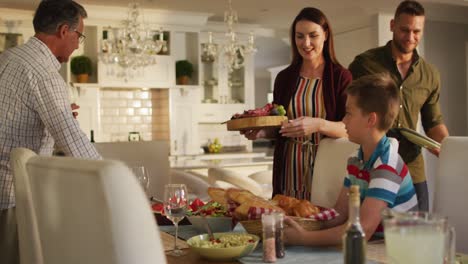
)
(218, 195)
(239, 196)
(242, 210)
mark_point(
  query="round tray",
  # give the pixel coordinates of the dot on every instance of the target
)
(255, 122)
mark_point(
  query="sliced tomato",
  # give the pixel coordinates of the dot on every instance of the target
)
(196, 204)
(157, 207)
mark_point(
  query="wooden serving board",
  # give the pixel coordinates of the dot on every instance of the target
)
(255, 122)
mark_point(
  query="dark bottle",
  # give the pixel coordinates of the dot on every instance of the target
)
(279, 234)
(354, 239)
(92, 136)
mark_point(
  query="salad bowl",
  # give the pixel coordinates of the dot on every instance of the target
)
(225, 246)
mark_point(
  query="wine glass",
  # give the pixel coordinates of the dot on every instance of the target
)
(175, 206)
(142, 175)
(72, 93)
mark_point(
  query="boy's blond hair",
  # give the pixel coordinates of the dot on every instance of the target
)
(377, 93)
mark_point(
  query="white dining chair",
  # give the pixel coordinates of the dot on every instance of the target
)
(330, 170)
(28, 237)
(237, 179)
(197, 186)
(91, 211)
(451, 185)
(153, 155)
(262, 177)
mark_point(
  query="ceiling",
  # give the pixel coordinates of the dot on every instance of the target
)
(278, 14)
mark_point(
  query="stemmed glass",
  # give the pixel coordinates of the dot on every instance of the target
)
(175, 206)
(73, 93)
(142, 175)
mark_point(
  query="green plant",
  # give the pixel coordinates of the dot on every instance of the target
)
(81, 65)
(184, 68)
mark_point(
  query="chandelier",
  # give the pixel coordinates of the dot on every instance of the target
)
(134, 45)
(233, 50)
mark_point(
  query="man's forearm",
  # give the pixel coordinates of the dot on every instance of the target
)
(438, 133)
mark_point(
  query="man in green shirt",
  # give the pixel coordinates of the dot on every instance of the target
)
(419, 84)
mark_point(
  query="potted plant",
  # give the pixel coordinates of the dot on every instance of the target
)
(81, 67)
(184, 71)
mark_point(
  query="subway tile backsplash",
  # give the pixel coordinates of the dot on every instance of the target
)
(126, 110)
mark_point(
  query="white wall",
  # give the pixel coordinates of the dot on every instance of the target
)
(351, 43)
(272, 51)
(445, 48)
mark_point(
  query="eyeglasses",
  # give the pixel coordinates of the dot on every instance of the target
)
(81, 37)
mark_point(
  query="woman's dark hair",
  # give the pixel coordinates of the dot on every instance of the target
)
(318, 17)
(51, 14)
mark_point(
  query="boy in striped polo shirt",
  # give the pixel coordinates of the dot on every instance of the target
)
(383, 178)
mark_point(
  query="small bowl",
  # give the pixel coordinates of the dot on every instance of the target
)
(222, 254)
(217, 224)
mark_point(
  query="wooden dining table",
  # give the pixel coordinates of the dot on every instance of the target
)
(375, 251)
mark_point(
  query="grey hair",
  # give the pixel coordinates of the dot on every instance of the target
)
(51, 14)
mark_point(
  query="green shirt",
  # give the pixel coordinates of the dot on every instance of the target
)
(419, 93)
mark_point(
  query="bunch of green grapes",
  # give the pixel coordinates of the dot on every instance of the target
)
(278, 110)
(215, 147)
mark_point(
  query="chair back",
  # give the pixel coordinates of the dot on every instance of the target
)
(262, 177)
(330, 170)
(153, 155)
(28, 236)
(197, 186)
(92, 211)
(451, 184)
(238, 179)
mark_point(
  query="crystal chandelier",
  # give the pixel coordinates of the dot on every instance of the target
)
(133, 46)
(233, 51)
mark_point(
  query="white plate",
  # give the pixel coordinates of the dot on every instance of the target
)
(419, 139)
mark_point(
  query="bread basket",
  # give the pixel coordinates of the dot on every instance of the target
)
(255, 226)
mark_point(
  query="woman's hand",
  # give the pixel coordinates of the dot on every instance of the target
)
(301, 127)
(293, 232)
(253, 134)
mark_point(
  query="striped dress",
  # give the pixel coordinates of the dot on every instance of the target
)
(300, 152)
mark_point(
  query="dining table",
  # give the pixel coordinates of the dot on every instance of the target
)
(294, 254)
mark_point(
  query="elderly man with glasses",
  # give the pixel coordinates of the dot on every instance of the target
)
(35, 111)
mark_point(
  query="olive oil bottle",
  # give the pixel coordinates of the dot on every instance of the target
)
(354, 239)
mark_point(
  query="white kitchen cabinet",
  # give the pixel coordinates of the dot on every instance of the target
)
(88, 114)
(221, 86)
(184, 121)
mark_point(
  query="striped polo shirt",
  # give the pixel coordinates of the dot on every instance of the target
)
(384, 176)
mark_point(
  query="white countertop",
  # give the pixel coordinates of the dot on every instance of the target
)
(223, 162)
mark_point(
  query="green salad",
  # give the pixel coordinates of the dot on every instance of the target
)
(210, 209)
(225, 241)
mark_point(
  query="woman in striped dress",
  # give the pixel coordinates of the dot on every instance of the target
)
(312, 90)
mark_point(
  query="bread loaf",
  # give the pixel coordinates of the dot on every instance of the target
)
(217, 195)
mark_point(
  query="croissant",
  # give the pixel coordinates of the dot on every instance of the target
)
(305, 208)
(287, 203)
(242, 210)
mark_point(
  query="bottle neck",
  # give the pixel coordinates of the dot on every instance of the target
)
(354, 204)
